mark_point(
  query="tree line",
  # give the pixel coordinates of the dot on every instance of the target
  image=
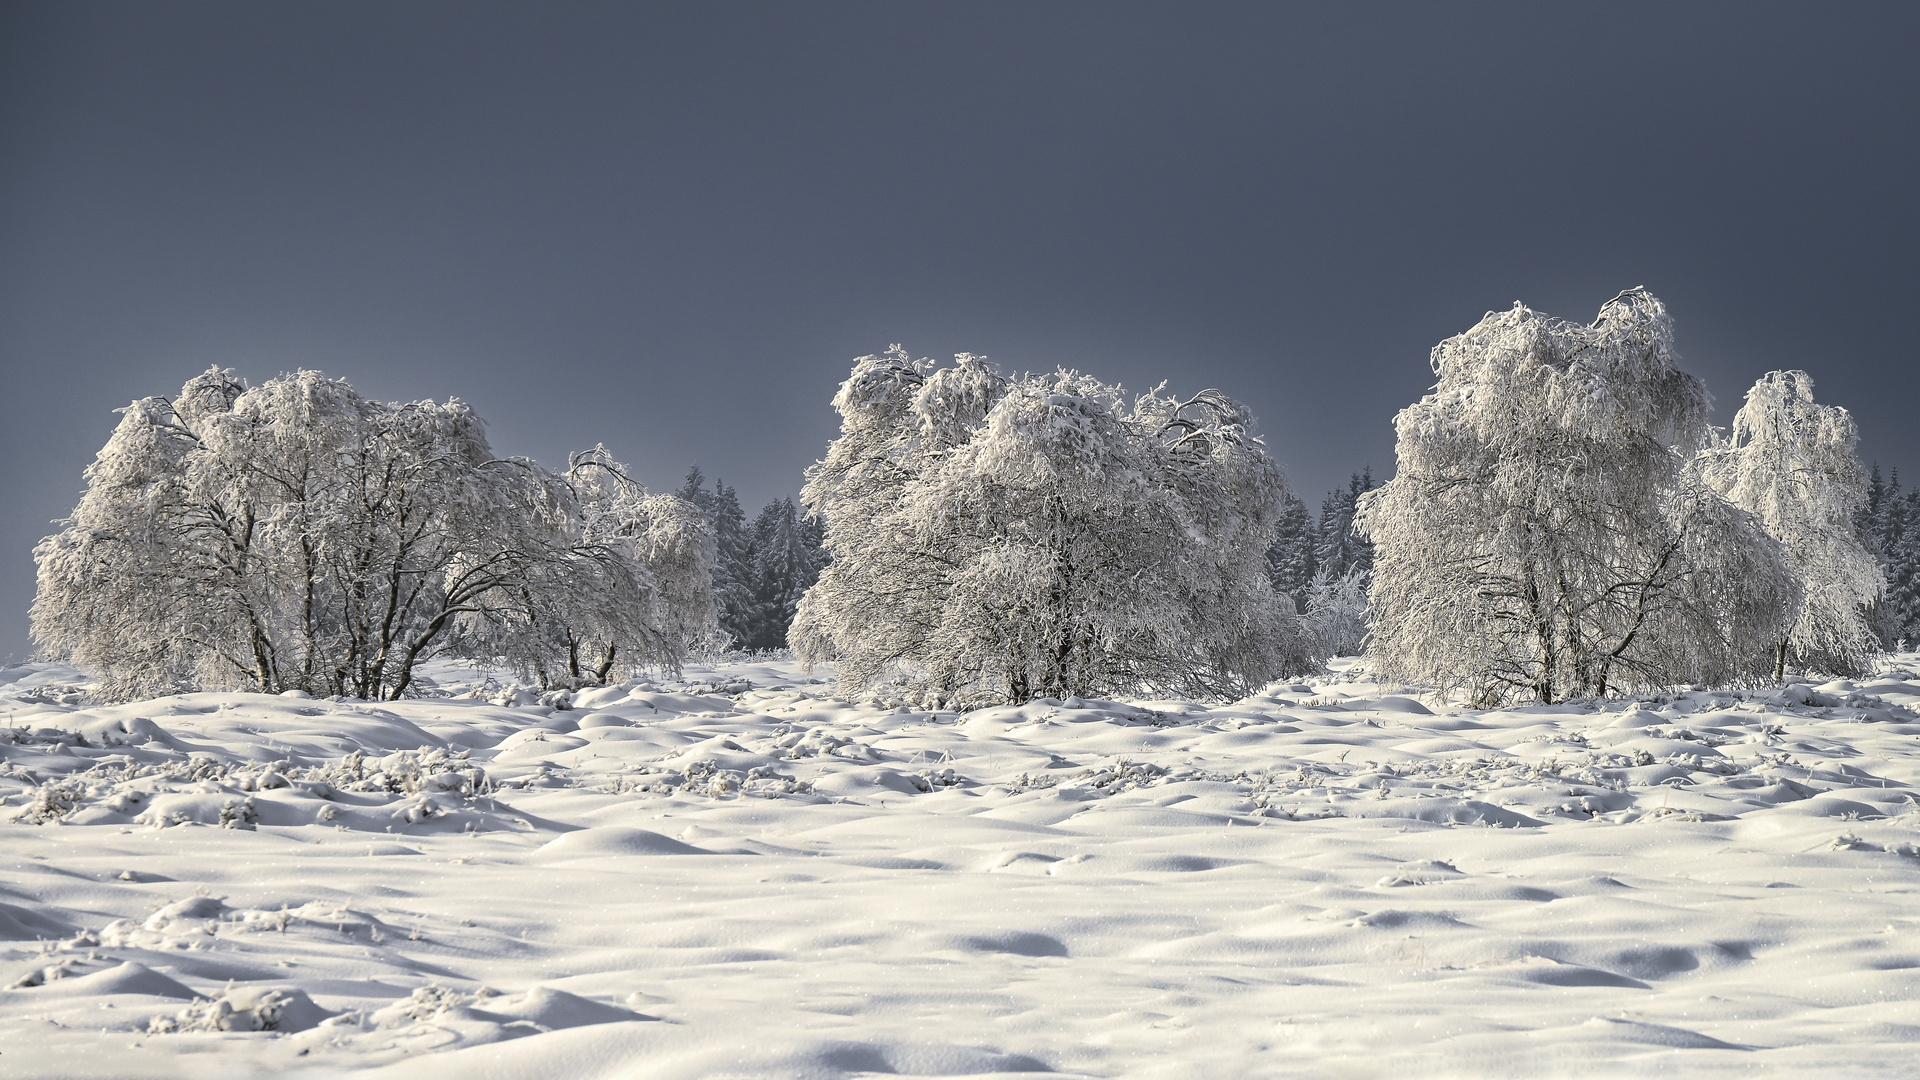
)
(1561, 522)
(761, 568)
(1324, 565)
(1888, 522)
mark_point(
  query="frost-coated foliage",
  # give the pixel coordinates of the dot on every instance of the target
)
(1791, 463)
(1003, 539)
(1889, 523)
(787, 557)
(1543, 537)
(1337, 613)
(733, 562)
(634, 592)
(298, 536)
(1291, 563)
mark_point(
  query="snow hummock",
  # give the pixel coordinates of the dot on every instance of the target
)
(734, 873)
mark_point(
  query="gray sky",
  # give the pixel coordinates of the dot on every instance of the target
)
(670, 227)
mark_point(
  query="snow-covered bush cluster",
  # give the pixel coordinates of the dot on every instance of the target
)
(296, 536)
(1000, 538)
(1790, 462)
(1563, 522)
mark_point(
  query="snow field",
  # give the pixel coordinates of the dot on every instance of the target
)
(736, 874)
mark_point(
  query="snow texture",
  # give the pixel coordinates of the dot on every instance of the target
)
(736, 874)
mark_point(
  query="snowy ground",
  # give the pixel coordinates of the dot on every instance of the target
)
(748, 878)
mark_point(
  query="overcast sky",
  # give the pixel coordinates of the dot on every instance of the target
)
(669, 228)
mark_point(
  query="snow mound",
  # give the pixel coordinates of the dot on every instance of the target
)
(616, 841)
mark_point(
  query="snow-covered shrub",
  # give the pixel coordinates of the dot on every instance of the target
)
(997, 539)
(1337, 613)
(1790, 462)
(1543, 536)
(633, 590)
(298, 536)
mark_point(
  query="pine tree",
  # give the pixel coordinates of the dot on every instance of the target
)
(733, 554)
(1886, 521)
(1342, 551)
(786, 562)
(1866, 518)
(1900, 619)
(1889, 517)
(1290, 560)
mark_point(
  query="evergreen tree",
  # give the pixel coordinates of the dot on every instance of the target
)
(1291, 560)
(1866, 517)
(733, 553)
(786, 562)
(1900, 611)
(1342, 551)
(1889, 517)
(1887, 523)
(760, 569)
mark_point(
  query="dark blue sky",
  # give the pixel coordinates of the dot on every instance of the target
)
(670, 227)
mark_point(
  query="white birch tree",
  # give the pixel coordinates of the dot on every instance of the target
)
(1791, 462)
(1337, 613)
(1542, 537)
(298, 536)
(670, 547)
(998, 539)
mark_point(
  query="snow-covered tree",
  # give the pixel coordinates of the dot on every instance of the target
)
(997, 539)
(1866, 519)
(1291, 564)
(1542, 536)
(786, 562)
(733, 566)
(1889, 526)
(1899, 617)
(858, 490)
(1337, 613)
(633, 591)
(1341, 551)
(1791, 463)
(298, 536)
